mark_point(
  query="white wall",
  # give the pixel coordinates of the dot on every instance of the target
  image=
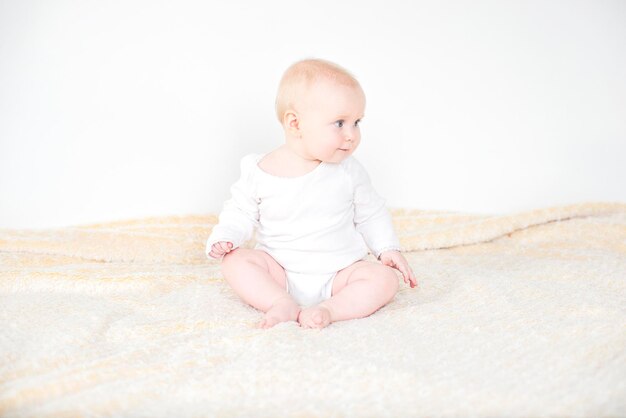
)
(121, 109)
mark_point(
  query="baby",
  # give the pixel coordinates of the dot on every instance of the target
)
(314, 211)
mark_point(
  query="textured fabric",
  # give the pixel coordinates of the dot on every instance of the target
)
(320, 222)
(521, 315)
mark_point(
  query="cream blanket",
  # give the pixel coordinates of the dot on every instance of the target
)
(521, 315)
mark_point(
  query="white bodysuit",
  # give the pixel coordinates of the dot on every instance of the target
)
(313, 225)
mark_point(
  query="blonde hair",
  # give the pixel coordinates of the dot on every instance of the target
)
(301, 75)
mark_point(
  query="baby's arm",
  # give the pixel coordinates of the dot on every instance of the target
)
(371, 217)
(239, 217)
(373, 221)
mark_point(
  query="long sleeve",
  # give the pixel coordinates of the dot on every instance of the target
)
(240, 215)
(371, 217)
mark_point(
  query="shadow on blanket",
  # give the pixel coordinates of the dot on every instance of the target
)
(517, 315)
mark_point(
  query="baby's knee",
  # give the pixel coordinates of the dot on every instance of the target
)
(234, 258)
(386, 279)
(390, 279)
(240, 257)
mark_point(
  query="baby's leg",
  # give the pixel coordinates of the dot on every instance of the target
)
(358, 291)
(260, 281)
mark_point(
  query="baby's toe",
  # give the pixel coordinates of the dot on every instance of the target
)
(270, 322)
(267, 322)
(317, 317)
(306, 322)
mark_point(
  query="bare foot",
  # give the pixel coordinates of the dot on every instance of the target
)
(283, 310)
(315, 317)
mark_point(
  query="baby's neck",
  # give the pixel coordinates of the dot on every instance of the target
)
(285, 162)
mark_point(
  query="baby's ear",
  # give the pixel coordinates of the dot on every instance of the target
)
(291, 122)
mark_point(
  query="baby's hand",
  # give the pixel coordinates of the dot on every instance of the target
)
(396, 260)
(219, 249)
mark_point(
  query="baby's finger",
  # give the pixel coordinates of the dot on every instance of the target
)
(409, 277)
(216, 249)
(406, 274)
(224, 247)
(412, 278)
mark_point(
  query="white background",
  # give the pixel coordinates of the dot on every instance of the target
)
(122, 109)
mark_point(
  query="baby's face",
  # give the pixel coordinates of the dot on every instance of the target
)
(329, 121)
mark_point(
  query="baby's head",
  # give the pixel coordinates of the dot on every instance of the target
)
(303, 75)
(320, 106)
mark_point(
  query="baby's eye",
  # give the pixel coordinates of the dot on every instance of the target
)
(339, 124)
(357, 122)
